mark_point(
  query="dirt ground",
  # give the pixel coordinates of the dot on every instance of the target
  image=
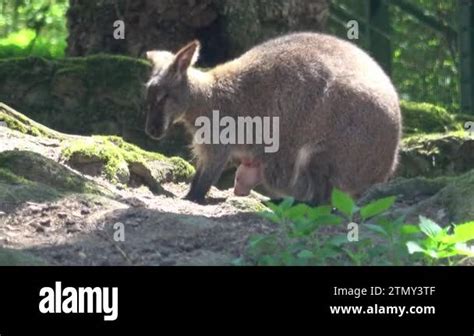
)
(133, 226)
(82, 229)
(88, 230)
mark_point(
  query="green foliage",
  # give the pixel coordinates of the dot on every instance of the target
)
(308, 235)
(376, 208)
(425, 63)
(440, 244)
(427, 118)
(33, 27)
(343, 203)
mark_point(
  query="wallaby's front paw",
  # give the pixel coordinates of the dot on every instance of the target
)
(195, 199)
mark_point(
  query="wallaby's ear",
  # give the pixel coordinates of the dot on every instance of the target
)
(151, 55)
(187, 57)
(159, 58)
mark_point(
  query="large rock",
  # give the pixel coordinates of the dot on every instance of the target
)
(93, 95)
(29, 176)
(429, 118)
(434, 155)
(443, 199)
(121, 162)
(226, 27)
(35, 162)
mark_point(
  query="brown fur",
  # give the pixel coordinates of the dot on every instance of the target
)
(340, 119)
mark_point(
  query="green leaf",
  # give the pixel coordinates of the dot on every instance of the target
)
(414, 247)
(314, 213)
(409, 229)
(430, 228)
(329, 220)
(261, 244)
(287, 203)
(446, 254)
(303, 228)
(270, 216)
(377, 207)
(462, 234)
(305, 254)
(338, 240)
(377, 229)
(463, 249)
(273, 207)
(343, 202)
(297, 211)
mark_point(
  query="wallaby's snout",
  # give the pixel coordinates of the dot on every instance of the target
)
(156, 123)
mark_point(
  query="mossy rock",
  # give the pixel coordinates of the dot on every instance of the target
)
(100, 94)
(406, 188)
(434, 155)
(427, 118)
(121, 162)
(9, 257)
(449, 198)
(15, 189)
(28, 176)
(19, 122)
(457, 197)
(247, 204)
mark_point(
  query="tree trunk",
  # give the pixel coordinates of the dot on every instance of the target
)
(225, 27)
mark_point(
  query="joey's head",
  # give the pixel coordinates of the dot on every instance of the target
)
(168, 90)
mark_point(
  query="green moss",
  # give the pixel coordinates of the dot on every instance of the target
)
(427, 118)
(33, 172)
(116, 154)
(458, 198)
(247, 204)
(9, 257)
(15, 189)
(6, 176)
(453, 197)
(434, 155)
(18, 122)
(428, 140)
(407, 188)
(182, 170)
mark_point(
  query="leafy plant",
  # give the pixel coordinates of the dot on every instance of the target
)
(33, 27)
(440, 243)
(327, 235)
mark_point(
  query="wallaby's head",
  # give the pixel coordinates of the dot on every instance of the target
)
(168, 90)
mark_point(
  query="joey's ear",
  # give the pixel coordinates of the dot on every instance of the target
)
(186, 57)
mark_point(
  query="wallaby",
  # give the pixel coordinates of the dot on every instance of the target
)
(339, 114)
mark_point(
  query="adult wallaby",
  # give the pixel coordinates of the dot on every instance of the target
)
(338, 112)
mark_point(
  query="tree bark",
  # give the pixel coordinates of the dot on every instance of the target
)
(226, 28)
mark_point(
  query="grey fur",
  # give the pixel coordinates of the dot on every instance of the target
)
(340, 121)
